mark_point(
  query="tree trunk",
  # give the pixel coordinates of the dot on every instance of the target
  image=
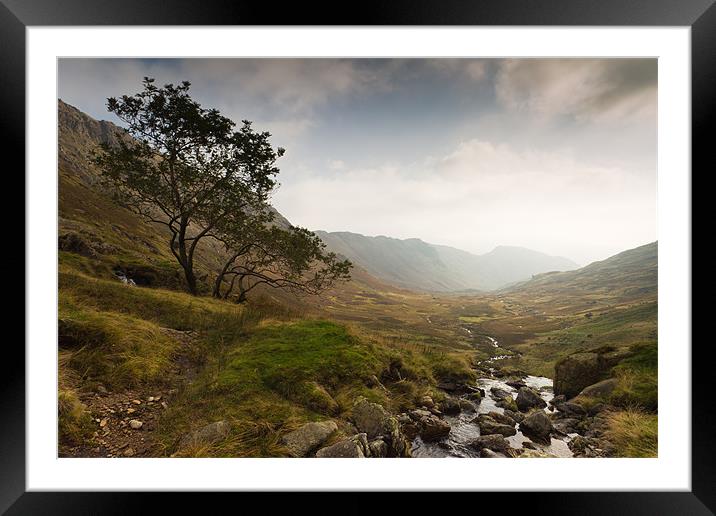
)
(190, 280)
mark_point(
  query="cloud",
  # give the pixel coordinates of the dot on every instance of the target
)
(481, 195)
(594, 89)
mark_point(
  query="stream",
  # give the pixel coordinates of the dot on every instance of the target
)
(463, 430)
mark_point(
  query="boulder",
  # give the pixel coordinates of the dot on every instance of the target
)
(499, 394)
(493, 442)
(528, 398)
(433, 428)
(208, 434)
(600, 389)
(353, 447)
(307, 438)
(567, 425)
(375, 421)
(378, 448)
(571, 409)
(558, 399)
(489, 426)
(466, 406)
(508, 403)
(537, 426)
(451, 406)
(515, 416)
(370, 418)
(536, 454)
(579, 370)
(501, 418)
(516, 383)
(489, 454)
(427, 401)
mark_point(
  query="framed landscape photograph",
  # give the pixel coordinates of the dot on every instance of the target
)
(251, 249)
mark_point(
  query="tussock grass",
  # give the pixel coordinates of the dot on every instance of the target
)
(74, 421)
(633, 432)
(638, 379)
(113, 348)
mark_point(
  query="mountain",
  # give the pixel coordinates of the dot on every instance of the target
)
(415, 264)
(629, 276)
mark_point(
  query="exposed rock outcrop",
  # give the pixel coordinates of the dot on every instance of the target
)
(307, 438)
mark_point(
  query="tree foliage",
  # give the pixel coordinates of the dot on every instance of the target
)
(189, 169)
(185, 166)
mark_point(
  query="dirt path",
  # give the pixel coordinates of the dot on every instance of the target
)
(125, 421)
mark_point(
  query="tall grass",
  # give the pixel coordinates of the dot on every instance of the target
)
(633, 432)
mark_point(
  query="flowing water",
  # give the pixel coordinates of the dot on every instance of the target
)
(463, 431)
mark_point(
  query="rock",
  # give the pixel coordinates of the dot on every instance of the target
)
(131, 411)
(129, 452)
(427, 401)
(494, 442)
(448, 386)
(516, 383)
(207, 434)
(378, 448)
(451, 406)
(515, 416)
(410, 430)
(375, 421)
(579, 370)
(499, 393)
(529, 445)
(537, 426)
(596, 409)
(558, 399)
(528, 398)
(536, 454)
(571, 409)
(508, 403)
(418, 414)
(103, 423)
(353, 447)
(370, 418)
(433, 428)
(600, 389)
(475, 397)
(489, 454)
(567, 426)
(466, 406)
(101, 389)
(490, 426)
(135, 424)
(501, 418)
(307, 438)
(136, 402)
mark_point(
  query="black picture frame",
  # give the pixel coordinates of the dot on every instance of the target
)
(700, 15)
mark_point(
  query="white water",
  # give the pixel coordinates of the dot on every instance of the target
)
(463, 431)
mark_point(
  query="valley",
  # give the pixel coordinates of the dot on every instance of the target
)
(367, 368)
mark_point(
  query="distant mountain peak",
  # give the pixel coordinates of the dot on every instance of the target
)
(415, 264)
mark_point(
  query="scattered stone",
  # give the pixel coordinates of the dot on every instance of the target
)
(528, 398)
(493, 442)
(489, 426)
(131, 411)
(353, 447)
(508, 403)
(537, 426)
(558, 399)
(129, 452)
(515, 416)
(466, 406)
(307, 438)
(427, 401)
(103, 423)
(501, 418)
(567, 426)
(136, 402)
(499, 394)
(150, 399)
(164, 405)
(433, 428)
(102, 389)
(135, 424)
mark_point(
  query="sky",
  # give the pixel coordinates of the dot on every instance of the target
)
(557, 155)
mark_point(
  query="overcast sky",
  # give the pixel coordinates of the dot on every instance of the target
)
(555, 155)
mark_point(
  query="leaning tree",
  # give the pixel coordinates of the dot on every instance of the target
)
(260, 252)
(185, 167)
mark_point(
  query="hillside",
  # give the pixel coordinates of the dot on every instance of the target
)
(418, 265)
